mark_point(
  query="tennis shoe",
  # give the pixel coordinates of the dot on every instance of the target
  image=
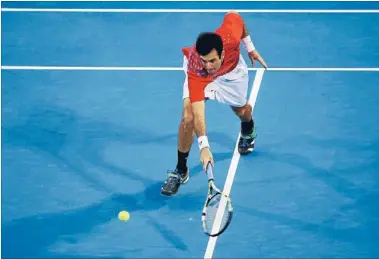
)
(175, 179)
(246, 143)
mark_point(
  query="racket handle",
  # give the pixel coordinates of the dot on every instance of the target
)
(210, 171)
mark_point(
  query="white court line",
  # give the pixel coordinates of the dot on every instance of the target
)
(330, 69)
(121, 10)
(321, 69)
(250, 0)
(90, 68)
(232, 169)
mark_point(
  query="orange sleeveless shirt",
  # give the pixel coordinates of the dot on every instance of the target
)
(231, 33)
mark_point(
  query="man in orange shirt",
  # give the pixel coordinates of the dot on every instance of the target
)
(215, 70)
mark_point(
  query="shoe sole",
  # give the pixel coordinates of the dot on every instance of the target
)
(245, 151)
(167, 193)
(186, 180)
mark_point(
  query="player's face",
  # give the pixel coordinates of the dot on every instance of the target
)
(211, 62)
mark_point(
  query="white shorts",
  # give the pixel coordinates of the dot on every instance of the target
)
(230, 89)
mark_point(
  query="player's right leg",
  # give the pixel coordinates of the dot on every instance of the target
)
(180, 174)
(185, 139)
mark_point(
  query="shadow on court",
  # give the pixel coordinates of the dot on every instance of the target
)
(76, 143)
(73, 141)
(36, 233)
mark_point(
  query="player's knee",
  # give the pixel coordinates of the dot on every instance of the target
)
(187, 118)
(248, 109)
(239, 111)
(243, 112)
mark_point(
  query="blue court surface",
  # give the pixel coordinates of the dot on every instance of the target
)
(80, 144)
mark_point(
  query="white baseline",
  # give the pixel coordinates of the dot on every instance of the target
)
(120, 10)
(110, 68)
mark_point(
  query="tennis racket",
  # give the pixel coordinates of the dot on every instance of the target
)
(216, 217)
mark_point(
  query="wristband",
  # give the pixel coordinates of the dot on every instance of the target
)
(203, 142)
(248, 43)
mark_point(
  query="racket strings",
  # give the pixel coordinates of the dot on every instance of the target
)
(212, 213)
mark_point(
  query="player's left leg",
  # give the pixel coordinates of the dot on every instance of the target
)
(231, 89)
(246, 142)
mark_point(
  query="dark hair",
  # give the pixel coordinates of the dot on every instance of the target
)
(207, 41)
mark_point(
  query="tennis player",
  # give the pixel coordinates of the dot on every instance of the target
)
(214, 70)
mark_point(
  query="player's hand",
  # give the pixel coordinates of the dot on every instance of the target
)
(254, 55)
(206, 157)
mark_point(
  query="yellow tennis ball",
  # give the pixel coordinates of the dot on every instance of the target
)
(123, 215)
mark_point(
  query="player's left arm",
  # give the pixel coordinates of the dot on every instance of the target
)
(250, 48)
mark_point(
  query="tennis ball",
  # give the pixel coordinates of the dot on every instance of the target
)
(123, 215)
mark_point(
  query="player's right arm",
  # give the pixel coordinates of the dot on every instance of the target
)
(198, 110)
(197, 98)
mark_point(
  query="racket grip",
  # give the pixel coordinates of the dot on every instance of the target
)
(210, 171)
